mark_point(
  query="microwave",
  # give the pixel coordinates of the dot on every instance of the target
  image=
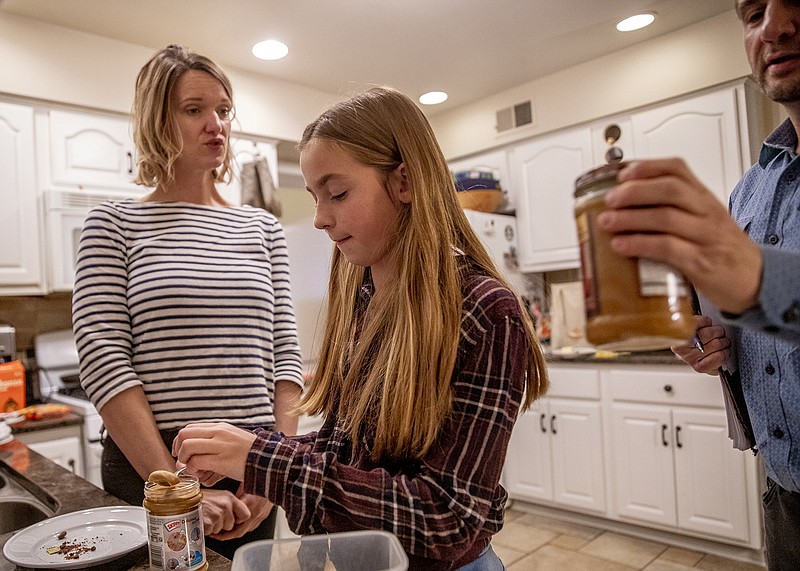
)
(65, 212)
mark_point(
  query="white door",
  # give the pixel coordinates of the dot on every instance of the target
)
(544, 172)
(92, 151)
(644, 481)
(577, 444)
(703, 131)
(20, 232)
(528, 472)
(709, 475)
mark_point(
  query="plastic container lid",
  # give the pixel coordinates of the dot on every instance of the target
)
(346, 551)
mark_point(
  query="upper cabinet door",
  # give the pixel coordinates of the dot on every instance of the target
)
(543, 173)
(20, 258)
(91, 151)
(703, 131)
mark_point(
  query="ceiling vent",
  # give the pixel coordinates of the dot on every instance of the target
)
(515, 116)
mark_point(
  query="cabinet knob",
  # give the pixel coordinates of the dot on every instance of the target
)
(678, 442)
(668, 388)
(664, 428)
(553, 424)
(71, 463)
(541, 422)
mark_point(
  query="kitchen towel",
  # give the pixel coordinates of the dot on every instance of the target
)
(258, 189)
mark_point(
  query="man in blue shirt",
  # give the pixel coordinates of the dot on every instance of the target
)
(746, 263)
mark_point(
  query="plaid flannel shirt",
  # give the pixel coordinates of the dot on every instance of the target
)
(443, 508)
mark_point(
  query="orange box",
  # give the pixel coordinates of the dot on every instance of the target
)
(12, 386)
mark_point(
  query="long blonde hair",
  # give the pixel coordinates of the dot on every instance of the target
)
(396, 382)
(158, 143)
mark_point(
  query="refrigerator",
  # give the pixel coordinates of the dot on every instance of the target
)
(498, 232)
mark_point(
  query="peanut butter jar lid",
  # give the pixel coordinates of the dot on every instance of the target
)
(604, 173)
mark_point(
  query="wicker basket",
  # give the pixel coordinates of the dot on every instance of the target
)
(481, 200)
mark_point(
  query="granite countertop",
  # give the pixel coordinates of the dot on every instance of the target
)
(74, 494)
(665, 357)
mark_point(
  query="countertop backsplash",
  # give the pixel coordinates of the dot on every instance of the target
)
(32, 315)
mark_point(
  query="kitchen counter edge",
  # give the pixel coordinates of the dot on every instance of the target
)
(74, 494)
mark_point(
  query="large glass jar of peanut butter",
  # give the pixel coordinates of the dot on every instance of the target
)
(631, 304)
(175, 523)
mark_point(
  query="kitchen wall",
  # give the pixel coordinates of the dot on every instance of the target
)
(52, 63)
(47, 62)
(696, 57)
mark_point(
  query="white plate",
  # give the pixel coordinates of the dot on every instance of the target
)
(113, 531)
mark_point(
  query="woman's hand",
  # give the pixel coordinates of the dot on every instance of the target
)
(217, 448)
(716, 347)
(222, 511)
(260, 509)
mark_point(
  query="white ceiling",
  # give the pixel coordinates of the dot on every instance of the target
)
(469, 48)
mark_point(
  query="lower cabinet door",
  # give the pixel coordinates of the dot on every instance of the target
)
(709, 475)
(527, 474)
(66, 452)
(644, 481)
(577, 443)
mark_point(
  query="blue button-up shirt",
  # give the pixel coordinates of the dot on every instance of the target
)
(766, 204)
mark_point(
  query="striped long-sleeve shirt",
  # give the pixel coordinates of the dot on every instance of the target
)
(444, 508)
(191, 302)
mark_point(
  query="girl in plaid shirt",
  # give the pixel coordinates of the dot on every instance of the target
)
(427, 359)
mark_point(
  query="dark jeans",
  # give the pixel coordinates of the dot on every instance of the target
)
(122, 480)
(781, 527)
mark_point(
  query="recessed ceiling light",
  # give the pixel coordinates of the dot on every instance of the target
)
(270, 50)
(636, 22)
(433, 98)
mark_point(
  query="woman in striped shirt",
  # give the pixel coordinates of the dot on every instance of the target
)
(428, 356)
(182, 309)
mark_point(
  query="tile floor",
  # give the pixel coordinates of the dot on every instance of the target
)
(530, 542)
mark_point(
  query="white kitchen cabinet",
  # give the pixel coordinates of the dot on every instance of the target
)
(543, 172)
(672, 462)
(62, 445)
(555, 454)
(90, 150)
(637, 445)
(246, 150)
(21, 259)
(702, 130)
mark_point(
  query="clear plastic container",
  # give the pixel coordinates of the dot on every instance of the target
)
(346, 551)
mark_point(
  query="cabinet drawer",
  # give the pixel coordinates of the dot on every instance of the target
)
(574, 382)
(664, 387)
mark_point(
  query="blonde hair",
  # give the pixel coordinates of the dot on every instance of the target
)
(158, 143)
(396, 382)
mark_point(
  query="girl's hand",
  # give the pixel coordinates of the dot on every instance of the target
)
(716, 347)
(218, 447)
(222, 511)
(259, 508)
